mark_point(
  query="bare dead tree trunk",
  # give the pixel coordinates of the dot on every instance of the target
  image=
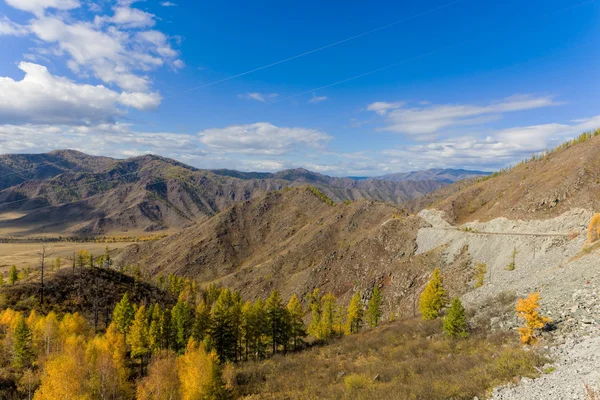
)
(43, 262)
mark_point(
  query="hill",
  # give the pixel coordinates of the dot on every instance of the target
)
(293, 241)
(67, 192)
(543, 187)
(439, 175)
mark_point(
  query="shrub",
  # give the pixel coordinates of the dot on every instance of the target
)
(355, 382)
(593, 232)
(320, 195)
(480, 271)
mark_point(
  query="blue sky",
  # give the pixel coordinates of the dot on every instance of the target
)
(356, 89)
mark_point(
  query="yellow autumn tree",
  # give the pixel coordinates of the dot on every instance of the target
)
(200, 374)
(108, 372)
(593, 233)
(527, 310)
(65, 373)
(162, 382)
(434, 298)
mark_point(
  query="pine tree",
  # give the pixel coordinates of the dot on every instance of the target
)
(433, 299)
(455, 323)
(296, 325)
(277, 320)
(22, 344)
(374, 308)
(355, 314)
(138, 336)
(13, 275)
(123, 314)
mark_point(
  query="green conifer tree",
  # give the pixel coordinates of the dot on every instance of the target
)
(433, 299)
(138, 336)
(455, 323)
(374, 308)
(182, 317)
(123, 314)
(278, 321)
(22, 344)
(13, 275)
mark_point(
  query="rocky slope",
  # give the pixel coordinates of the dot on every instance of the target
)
(567, 178)
(294, 242)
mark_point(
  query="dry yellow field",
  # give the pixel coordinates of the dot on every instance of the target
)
(27, 254)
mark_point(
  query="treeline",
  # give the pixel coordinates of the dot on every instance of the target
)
(85, 239)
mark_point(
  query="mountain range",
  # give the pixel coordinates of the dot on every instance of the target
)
(67, 192)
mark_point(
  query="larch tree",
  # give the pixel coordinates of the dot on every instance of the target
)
(355, 314)
(22, 349)
(316, 311)
(434, 298)
(138, 336)
(296, 325)
(123, 314)
(201, 321)
(328, 317)
(527, 310)
(13, 275)
(277, 321)
(455, 323)
(162, 381)
(200, 375)
(182, 317)
(374, 308)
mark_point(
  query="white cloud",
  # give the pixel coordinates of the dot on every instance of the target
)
(117, 49)
(7, 27)
(504, 147)
(258, 96)
(262, 138)
(430, 119)
(43, 98)
(132, 17)
(381, 107)
(167, 4)
(317, 99)
(38, 7)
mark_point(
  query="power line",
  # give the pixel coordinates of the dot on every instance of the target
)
(421, 55)
(317, 49)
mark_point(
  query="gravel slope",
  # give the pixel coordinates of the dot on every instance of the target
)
(551, 261)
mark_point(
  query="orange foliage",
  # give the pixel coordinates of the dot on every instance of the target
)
(527, 309)
(593, 233)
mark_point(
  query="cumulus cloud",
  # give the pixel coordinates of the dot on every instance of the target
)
(257, 96)
(262, 138)
(116, 140)
(132, 17)
(43, 98)
(118, 49)
(430, 119)
(499, 149)
(38, 7)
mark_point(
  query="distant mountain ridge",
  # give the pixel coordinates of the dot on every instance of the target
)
(69, 192)
(447, 175)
